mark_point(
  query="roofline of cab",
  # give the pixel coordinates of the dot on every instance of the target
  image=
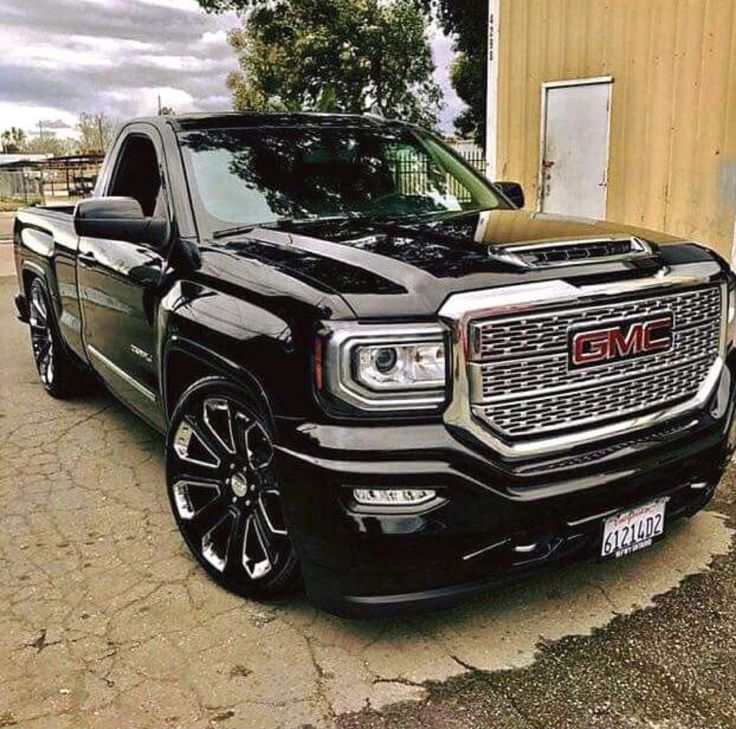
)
(235, 119)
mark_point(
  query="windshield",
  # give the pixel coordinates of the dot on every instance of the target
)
(266, 175)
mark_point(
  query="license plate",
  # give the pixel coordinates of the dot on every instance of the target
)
(632, 530)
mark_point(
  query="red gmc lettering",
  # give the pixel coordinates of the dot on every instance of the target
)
(602, 345)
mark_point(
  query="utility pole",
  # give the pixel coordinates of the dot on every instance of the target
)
(159, 104)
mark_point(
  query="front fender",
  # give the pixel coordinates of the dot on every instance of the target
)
(269, 352)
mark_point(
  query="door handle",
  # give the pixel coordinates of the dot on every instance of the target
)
(88, 258)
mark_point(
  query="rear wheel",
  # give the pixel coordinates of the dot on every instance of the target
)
(60, 376)
(223, 490)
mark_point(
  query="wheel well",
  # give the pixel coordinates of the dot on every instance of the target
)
(184, 369)
(28, 277)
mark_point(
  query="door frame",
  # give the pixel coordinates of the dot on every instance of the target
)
(546, 86)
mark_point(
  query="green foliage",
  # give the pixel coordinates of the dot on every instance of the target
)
(465, 20)
(468, 76)
(12, 140)
(16, 141)
(352, 56)
(96, 132)
(50, 144)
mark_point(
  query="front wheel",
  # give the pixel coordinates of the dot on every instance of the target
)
(223, 490)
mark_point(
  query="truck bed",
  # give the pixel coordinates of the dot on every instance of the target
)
(60, 208)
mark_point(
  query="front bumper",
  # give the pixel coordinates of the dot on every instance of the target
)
(495, 521)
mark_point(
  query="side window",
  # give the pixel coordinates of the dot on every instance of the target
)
(137, 174)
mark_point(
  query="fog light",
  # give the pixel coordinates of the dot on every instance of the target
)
(393, 497)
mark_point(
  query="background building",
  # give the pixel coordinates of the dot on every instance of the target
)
(624, 109)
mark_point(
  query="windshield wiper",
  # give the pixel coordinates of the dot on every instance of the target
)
(241, 229)
(435, 216)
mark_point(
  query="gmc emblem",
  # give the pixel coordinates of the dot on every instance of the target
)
(619, 340)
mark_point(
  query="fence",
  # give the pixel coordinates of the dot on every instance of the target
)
(74, 177)
(475, 158)
(57, 177)
(19, 185)
(417, 175)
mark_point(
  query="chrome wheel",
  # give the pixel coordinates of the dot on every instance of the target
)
(224, 493)
(42, 337)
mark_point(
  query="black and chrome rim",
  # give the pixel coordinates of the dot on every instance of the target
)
(224, 492)
(41, 336)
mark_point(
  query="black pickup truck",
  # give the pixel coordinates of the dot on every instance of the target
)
(375, 371)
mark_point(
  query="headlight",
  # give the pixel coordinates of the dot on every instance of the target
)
(400, 366)
(376, 367)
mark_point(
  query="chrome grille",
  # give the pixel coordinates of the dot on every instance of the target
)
(521, 385)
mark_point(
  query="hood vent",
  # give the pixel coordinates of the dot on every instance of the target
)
(571, 253)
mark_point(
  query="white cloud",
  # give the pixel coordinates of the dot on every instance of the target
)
(28, 115)
(184, 5)
(213, 37)
(185, 63)
(61, 57)
(49, 55)
(145, 102)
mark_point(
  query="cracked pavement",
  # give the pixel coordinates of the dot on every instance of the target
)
(107, 622)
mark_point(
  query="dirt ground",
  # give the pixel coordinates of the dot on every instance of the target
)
(107, 622)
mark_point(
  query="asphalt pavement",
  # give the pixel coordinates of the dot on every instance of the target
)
(107, 622)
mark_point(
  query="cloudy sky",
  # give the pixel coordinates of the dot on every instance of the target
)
(61, 57)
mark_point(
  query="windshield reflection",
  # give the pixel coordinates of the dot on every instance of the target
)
(267, 175)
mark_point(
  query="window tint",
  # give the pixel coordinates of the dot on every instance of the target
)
(137, 175)
(268, 174)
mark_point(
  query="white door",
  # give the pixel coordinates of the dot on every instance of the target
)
(573, 177)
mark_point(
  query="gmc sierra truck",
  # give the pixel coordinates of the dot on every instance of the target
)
(374, 370)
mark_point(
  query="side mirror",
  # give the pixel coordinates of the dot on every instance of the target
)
(119, 218)
(513, 191)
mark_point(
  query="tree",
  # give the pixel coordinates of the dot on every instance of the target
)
(96, 131)
(50, 144)
(13, 140)
(465, 20)
(353, 56)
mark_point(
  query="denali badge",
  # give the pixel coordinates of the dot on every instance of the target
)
(619, 340)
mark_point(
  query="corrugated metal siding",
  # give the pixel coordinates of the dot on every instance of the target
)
(672, 162)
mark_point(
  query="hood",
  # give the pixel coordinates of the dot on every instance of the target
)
(387, 269)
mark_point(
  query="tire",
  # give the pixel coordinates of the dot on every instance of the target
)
(223, 490)
(59, 373)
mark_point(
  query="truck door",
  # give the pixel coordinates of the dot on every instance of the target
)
(118, 281)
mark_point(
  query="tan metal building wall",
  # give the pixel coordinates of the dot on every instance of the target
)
(672, 154)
